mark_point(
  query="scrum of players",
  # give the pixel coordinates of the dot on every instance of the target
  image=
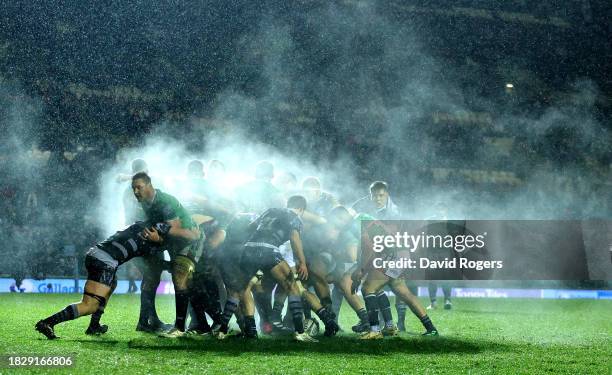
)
(261, 248)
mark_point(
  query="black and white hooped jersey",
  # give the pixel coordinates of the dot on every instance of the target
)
(275, 225)
(128, 243)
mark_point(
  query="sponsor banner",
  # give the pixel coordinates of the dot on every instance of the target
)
(604, 294)
(54, 286)
(569, 294)
(494, 293)
(487, 250)
(42, 286)
(68, 286)
(522, 293)
(166, 287)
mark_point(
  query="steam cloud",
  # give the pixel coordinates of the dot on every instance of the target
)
(372, 84)
(346, 93)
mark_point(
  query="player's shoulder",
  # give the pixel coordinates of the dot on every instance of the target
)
(244, 217)
(361, 203)
(165, 198)
(240, 222)
(137, 226)
(267, 186)
(276, 211)
(294, 220)
(328, 197)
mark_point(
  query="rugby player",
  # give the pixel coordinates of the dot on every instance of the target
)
(286, 182)
(101, 263)
(151, 266)
(257, 196)
(349, 234)
(206, 283)
(238, 232)
(206, 287)
(184, 241)
(377, 279)
(261, 253)
(379, 203)
(320, 202)
(432, 288)
(320, 302)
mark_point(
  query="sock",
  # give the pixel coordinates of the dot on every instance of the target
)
(371, 304)
(151, 274)
(336, 296)
(250, 329)
(362, 314)
(147, 306)
(277, 310)
(198, 306)
(181, 299)
(385, 308)
(70, 312)
(326, 302)
(231, 305)
(427, 323)
(307, 309)
(297, 312)
(325, 315)
(213, 300)
(401, 313)
(192, 315)
(96, 316)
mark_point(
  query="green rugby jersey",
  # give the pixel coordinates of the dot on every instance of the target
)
(164, 208)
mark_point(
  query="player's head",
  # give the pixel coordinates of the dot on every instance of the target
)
(216, 169)
(142, 187)
(379, 193)
(312, 188)
(286, 181)
(340, 218)
(139, 165)
(195, 169)
(297, 204)
(264, 170)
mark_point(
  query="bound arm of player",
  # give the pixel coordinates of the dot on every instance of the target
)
(151, 234)
(313, 218)
(298, 254)
(156, 233)
(176, 230)
(223, 205)
(197, 199)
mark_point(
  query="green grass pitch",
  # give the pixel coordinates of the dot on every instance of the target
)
(479, 336)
